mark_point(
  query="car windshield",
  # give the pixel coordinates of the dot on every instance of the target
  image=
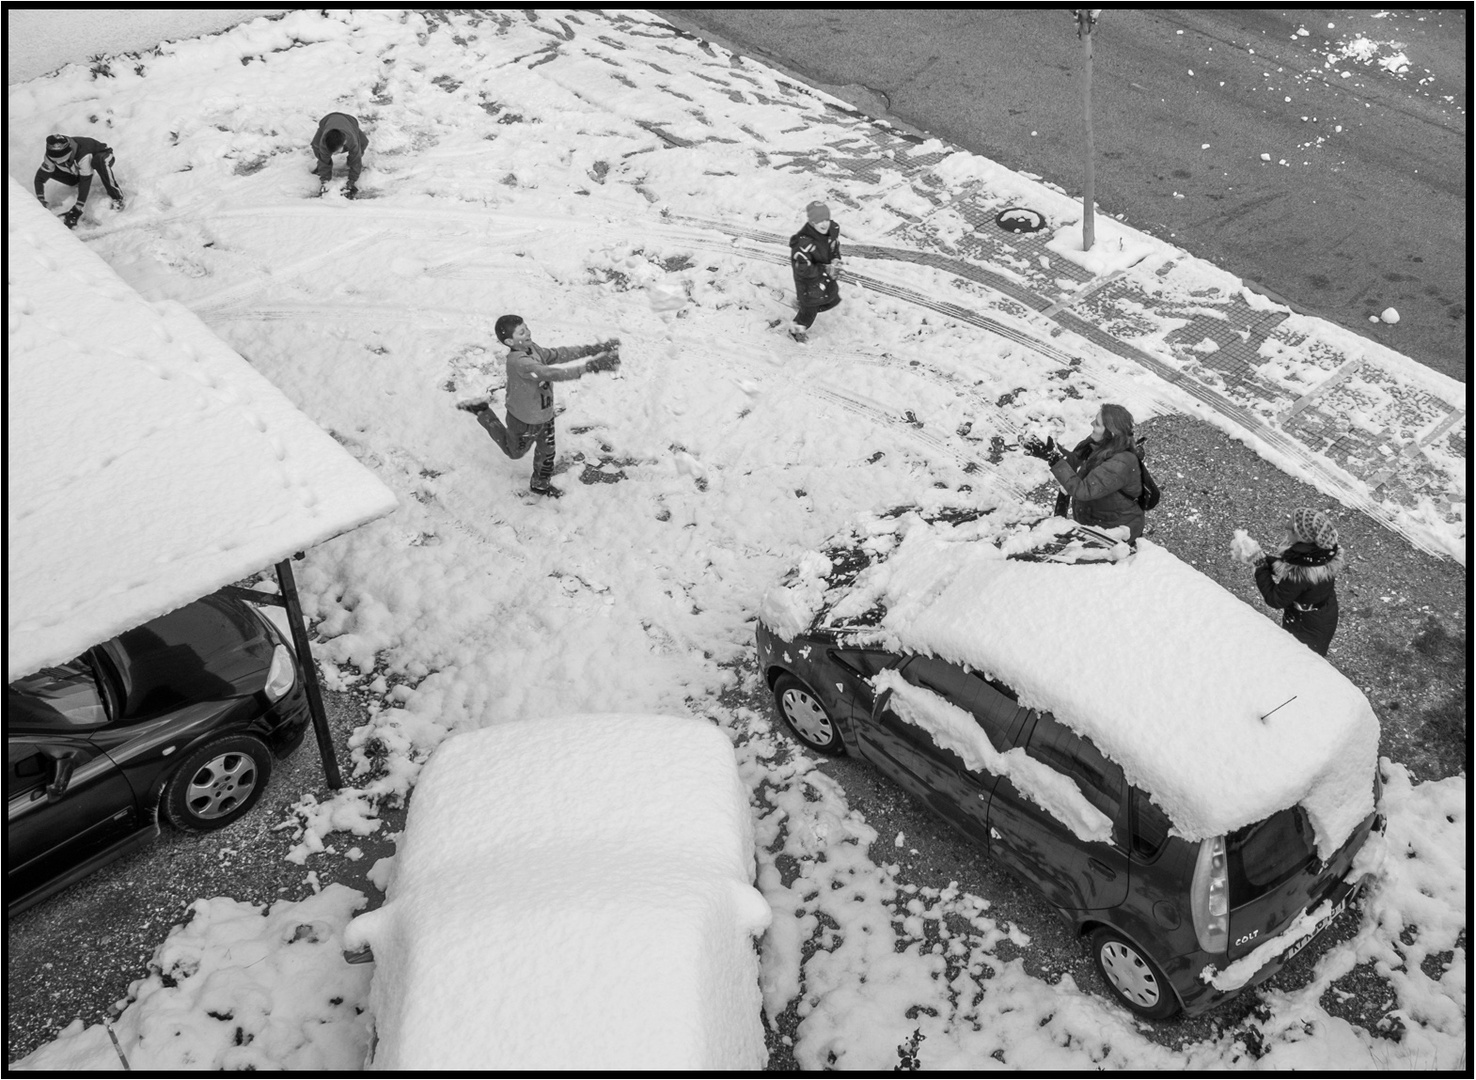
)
(1263, 855)
(62, 696)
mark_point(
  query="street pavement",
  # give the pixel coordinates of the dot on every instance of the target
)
(1358, 204)
(1376, 431)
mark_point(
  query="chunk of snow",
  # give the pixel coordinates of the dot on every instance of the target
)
(1390, 316)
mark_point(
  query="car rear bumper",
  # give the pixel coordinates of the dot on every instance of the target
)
(1201, 996)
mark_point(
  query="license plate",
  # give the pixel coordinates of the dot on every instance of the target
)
(1322, 923)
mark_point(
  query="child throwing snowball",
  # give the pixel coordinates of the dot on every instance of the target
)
(815, 258)
(1300, 581)
(531, 372)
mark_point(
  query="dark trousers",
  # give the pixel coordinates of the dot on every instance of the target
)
(514, 437)
(814, 297)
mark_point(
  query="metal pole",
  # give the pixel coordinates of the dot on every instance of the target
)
(1085, 23)
(309, 674)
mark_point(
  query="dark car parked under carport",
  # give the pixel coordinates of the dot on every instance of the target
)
(180, 718)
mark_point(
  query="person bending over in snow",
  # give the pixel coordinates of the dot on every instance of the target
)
(1301, 580)
(1104, 486)
(339, 133)
(531, 372)
(72, 160)
(815, 257)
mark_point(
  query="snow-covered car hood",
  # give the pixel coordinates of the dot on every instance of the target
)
(1210, 707)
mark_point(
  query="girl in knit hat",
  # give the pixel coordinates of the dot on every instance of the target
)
(1300, 580)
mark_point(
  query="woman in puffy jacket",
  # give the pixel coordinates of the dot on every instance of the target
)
(1104, 485)
(1300, 580)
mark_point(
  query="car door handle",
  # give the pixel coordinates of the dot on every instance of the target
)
(1102, 868)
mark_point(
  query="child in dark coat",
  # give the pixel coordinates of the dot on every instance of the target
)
(1301, 579)
(815, 258)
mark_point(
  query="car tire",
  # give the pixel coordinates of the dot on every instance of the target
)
(800, 709)
(217, 784)
(1132, 977)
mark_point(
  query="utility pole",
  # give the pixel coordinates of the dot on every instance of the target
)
(1086, 22)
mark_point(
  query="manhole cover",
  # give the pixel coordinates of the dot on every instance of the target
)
(1020, 219)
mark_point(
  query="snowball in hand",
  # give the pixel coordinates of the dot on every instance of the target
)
(1244, 547)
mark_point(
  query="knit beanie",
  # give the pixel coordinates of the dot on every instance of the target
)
(817, 211)
(58, 146)
(1314, 527)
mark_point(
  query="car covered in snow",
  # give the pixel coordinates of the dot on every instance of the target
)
(571, 894)
(1187, 784)
(180, 718)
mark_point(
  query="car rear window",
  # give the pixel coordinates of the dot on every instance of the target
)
(1262, 856)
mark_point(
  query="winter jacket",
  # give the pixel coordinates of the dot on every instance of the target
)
(1301, 581)
(89, 156)
(530, 396)
(1104, 494)
(810, 256)
(354, 144)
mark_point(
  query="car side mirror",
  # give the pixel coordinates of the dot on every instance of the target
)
(880, 705)
(62, 764)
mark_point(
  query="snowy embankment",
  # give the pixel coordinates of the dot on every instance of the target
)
(510, 171)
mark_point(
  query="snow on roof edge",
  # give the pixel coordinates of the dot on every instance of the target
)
(150, 464)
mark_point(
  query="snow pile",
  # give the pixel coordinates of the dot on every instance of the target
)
(135, 415)
(237, 988)
(607, 869)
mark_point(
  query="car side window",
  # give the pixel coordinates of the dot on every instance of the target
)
(865, 662)
(1100, 780)
(1150, 825)
(971, 692)
(64, 696)
(25, 768)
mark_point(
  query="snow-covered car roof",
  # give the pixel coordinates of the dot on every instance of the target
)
(149, 464)
(1214, 710)
(572, 894)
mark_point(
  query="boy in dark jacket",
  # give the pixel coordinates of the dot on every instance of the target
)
(815, 258)
(339, 133)
(1301, 580)
(72, 160)
(531, 372)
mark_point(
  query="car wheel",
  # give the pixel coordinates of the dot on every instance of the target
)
(1132, 976)
(803, 714)
(217, 784)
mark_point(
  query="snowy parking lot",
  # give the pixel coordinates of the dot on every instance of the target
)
(512, 170)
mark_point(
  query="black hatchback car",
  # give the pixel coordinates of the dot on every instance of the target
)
(1160, 911)
(180, 718)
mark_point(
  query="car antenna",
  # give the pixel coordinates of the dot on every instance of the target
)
(1285, 703)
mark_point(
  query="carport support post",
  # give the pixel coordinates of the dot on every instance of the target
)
(1086, 21)
(309, 674)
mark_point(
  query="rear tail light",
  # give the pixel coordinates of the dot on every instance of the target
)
(282, 675)
(1209, 896)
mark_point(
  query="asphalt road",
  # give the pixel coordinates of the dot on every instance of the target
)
(1360, 207)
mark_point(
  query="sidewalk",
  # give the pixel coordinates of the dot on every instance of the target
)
(1367, 426)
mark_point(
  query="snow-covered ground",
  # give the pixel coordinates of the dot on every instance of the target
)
(513, 168)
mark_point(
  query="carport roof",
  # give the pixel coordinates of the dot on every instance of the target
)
(149, 463)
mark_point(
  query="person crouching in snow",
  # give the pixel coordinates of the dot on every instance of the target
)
(339, 133)
(1301, 580)
(815, 257)
(72, 160)
(531, 372)
(1105, 485)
